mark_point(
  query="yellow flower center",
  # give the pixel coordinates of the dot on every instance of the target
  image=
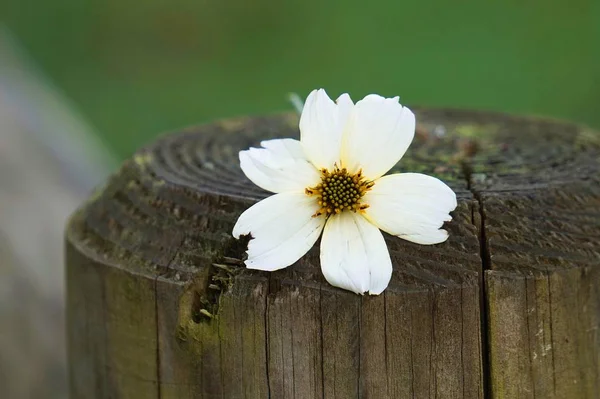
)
(339, 191)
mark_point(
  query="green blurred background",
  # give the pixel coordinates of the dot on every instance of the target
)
(137, 68)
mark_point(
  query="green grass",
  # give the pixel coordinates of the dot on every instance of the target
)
(137, 68)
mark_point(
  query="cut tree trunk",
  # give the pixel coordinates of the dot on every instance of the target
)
(160, 305)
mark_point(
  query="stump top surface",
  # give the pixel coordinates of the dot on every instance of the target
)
(171, 206)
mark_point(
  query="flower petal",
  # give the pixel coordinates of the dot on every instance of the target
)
(321, 125)
(377, 136)
(282, 229)
(345, 106)
(411, 206)
(279, 167)
(354, 255)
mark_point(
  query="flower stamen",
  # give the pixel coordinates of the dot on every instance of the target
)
(340, 191)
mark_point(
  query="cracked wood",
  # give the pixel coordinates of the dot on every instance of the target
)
(159, 306)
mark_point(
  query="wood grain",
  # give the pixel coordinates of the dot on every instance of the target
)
(160, 305)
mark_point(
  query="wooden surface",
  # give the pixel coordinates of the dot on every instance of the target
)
(159, 305)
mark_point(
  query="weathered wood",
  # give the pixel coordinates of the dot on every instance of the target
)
(540, 200)
(159, 305)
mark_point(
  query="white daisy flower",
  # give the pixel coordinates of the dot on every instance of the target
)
(332, 181)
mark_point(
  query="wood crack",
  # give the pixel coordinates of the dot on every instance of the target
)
(322, 344)
(478, 219)
(267, 358)
(158, 361)
(551, 331)
(385, 344)
(527, 322)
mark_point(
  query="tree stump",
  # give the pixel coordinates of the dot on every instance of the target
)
(160, 305)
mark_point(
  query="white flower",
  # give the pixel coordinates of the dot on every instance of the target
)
(332, 181)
